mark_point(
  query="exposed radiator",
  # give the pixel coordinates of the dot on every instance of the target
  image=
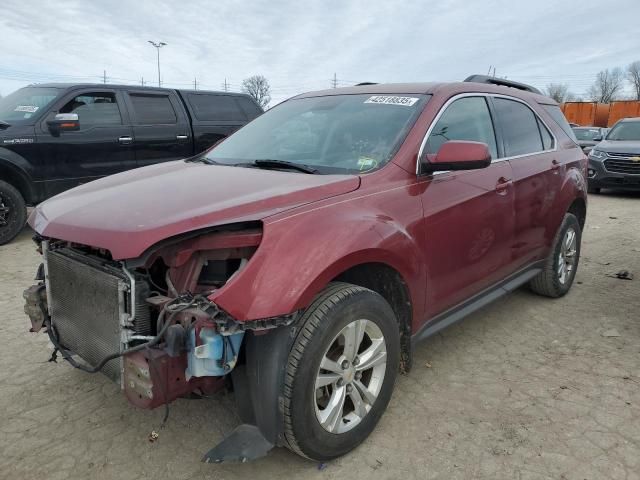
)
(88, 299)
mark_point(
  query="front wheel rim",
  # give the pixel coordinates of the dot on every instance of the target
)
(568, 256)
(350, 376)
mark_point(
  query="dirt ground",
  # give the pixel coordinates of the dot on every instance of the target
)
(526, 388)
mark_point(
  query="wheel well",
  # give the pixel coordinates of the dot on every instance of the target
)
(579, 209)
(387, 282)
(9, 176)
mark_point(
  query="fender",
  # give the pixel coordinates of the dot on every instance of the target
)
(16, 169)
(300, 254)
(573, 186)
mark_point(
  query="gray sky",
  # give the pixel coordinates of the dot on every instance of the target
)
(298, 45)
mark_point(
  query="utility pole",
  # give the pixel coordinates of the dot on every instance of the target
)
(104, 76)
(225, 85)
(334, 82)
(494, 72)
(142, 81)
(195, 83)
(158, 46)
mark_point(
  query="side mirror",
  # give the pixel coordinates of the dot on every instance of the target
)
(598, 138)
(64, 122)
(459, 155)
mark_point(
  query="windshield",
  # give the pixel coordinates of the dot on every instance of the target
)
(26, 103)
(625, 131)
(332, 134)
(587, 133)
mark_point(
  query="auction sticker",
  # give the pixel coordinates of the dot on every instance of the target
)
(392, 100)
(26, 108)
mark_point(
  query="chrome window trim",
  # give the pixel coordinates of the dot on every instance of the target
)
(484, 95)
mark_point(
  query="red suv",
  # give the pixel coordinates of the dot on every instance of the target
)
(302, 258)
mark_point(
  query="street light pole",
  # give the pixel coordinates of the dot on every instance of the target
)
(158, 46)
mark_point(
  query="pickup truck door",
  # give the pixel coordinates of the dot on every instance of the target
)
(102, 146)
(469, 214)
(161, 128)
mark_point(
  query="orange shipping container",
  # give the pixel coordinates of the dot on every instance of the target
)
(623, 109)
(586, 114)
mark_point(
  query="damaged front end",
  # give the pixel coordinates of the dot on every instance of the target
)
(149, 325)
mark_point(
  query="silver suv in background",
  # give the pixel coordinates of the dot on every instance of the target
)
(615, 162)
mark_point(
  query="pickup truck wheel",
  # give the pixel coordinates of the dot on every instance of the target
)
(593, 189)
(560, 268)
(13, 212)
(340, 372)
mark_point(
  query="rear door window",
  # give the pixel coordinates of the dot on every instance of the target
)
(520, 131)
(250, 108)
(465, 119)
(94, 109)
(547, 139)
(153, 109)
(207, 107)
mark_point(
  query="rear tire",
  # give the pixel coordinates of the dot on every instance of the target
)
(560, 268)
(13, 212)
(327, 421)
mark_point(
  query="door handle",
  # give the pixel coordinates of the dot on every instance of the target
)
(125, 140)
(555, 164)
(182, 137)
(503, 185)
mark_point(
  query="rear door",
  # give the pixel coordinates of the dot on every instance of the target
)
(531, 150)
(161, 128)
(101, 147)
(217, 115)
(468, 214)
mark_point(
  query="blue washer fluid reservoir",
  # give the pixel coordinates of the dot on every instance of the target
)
(206, 359)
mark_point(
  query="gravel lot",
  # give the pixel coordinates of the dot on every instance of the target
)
(526, 388)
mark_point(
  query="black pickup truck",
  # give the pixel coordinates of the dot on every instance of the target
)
(56, 136)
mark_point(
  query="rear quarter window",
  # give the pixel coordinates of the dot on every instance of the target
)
(557, 115)
(216, 108)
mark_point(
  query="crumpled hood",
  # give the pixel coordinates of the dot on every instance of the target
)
(131, 211)
(619, 146)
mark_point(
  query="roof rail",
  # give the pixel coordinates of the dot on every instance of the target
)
(503, 82)
(365, 83)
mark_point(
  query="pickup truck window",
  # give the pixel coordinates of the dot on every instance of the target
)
(95, 108)
(332, 134)
(250, 108)
(24, 104)
(153, 109)
(207, 107)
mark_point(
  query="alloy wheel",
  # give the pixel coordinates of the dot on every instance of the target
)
(567, 256)
(350, 376)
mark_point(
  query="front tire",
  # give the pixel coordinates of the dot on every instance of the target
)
(13, 212)
(340, 372)
(560, 268)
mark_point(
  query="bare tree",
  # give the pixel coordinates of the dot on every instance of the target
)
(607, 86)
(560, 92)
(258, 87)
(633, 74)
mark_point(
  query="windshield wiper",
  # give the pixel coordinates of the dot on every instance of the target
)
(4, 125)
(203, 159)
(268, 163)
